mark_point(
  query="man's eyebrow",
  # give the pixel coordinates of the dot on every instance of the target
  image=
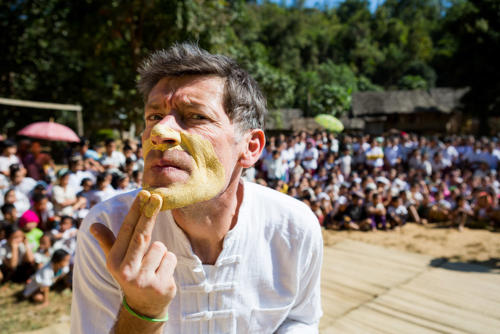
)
(153, 103)
(193, 104)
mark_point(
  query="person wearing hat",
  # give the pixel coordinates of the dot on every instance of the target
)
(29, 224)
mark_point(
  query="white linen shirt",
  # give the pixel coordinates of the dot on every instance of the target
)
(265, 280)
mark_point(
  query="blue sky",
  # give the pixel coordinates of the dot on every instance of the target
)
(330, 3)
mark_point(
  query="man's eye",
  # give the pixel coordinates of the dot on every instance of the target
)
(197, 117)
(154, 117)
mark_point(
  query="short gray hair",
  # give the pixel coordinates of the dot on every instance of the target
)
(243, 100)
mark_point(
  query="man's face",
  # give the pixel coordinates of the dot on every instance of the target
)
(190, 149)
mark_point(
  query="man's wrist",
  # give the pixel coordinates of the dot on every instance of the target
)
(146, 311)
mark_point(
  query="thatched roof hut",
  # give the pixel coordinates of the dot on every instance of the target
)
(423, 111)
(443, 100)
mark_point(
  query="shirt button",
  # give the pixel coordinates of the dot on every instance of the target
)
(209, 288)
(207, 316)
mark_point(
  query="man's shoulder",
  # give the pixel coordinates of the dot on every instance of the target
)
(280, 210)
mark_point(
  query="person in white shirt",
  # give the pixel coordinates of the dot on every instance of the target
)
(310, 156)
(449, 154)
(112, 159)
(8, 157)
(375, 155)
(77, 174)
(103, 190)
(64, 196)
(226, 256)
(20, 181)
(276, 166)
(39, 284)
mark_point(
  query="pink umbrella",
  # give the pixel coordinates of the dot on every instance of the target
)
(49, 131)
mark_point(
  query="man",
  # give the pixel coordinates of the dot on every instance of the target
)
(227, 256)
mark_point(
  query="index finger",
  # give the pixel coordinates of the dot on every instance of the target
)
(142, 233)
(128, 226)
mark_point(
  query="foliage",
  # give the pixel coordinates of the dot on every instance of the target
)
(87, 52)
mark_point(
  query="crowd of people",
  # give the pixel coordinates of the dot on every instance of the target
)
(363, 182)
(354, 182)
(42, 205)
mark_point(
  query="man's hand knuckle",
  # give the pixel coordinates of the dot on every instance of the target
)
(159, 246)
(138, 239)
(172, 258)
(125, 273)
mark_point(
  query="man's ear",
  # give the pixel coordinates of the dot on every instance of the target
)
(254, 142)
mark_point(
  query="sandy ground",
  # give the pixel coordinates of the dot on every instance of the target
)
(471, 245)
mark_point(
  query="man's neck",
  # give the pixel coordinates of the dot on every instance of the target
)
(207, 224)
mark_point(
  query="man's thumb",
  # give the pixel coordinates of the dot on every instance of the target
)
(104, 236)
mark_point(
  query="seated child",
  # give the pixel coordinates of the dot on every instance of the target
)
(335, 218)
(411, 205)
(9, 213)
(65, 235)
(441, 210)
(29, 224)
(16, 257)
(44, 253)
(377, 213)
(396, 213)
(461, 213)
(37, 288)
(355, 217)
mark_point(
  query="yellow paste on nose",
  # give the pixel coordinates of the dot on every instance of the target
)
(207, 177)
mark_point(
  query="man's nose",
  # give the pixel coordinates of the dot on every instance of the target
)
(164, 134)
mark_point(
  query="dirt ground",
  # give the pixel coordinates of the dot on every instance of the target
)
(470, 245)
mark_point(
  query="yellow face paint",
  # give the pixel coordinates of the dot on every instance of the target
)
(207, 178)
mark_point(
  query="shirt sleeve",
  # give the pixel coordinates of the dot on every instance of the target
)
(96, 295)
(306, 312)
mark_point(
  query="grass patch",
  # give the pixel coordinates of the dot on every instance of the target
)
(17, 316)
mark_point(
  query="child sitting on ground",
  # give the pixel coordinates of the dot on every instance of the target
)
(461, 213)
(29, 224)
(9, 213)
(396, 213)
(16, 257)
(65, 235)
(377, 213)
(44, 253)
(37, 288)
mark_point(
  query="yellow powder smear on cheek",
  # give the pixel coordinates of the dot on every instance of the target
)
(207, 178)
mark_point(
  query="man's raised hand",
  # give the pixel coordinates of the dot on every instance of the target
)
(143, 270)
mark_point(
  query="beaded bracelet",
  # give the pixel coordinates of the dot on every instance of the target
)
(142, 316)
